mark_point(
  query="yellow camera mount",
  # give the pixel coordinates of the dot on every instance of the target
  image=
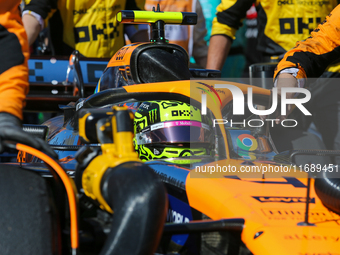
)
(157, 20)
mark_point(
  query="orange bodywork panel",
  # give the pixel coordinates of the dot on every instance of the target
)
(123, 56)
(272, 205)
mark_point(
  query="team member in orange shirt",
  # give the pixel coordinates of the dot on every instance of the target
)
(14, 76)
(310, 58)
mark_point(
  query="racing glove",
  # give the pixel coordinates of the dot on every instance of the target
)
(10, 129)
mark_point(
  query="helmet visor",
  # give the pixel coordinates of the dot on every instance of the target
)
(181, 131)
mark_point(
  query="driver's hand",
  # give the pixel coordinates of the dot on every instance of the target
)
(285, 80)
(10, 129)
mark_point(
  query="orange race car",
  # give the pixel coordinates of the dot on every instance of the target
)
(233, 187)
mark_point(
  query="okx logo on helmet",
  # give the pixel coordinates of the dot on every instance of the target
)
(170, 129)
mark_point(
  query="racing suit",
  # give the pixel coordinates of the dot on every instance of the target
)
(14, 54)
(87, 26)
(309, 59)
(281, 23)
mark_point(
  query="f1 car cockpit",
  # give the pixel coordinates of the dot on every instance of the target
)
(132, 152)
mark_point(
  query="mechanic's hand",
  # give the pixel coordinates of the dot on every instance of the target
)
(285, 80)
(10, 129)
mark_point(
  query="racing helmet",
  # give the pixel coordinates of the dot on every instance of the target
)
(171, 130)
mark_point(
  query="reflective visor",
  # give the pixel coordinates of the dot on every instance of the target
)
(175, 132)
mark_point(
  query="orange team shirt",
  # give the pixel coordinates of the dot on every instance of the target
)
(313, 55)
(14, 58)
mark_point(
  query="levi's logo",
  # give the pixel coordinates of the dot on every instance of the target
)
(283, 199)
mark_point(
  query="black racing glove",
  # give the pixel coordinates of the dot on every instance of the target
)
(11, 130)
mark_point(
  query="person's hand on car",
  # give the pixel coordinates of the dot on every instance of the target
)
(285, 80)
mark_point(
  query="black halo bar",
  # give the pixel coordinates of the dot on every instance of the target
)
(71, 147)
(294, 153)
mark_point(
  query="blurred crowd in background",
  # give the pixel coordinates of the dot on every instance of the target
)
(241, 55)
(233, 36)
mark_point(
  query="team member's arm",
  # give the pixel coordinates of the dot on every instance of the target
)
(14, 55)
(200, 48)
(13, 65)
(311, 57)
(32, 27)
(225, 24)
(219, 47)
(35, 17)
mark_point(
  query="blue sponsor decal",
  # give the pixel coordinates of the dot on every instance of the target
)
(179, 212)
(289, 181)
